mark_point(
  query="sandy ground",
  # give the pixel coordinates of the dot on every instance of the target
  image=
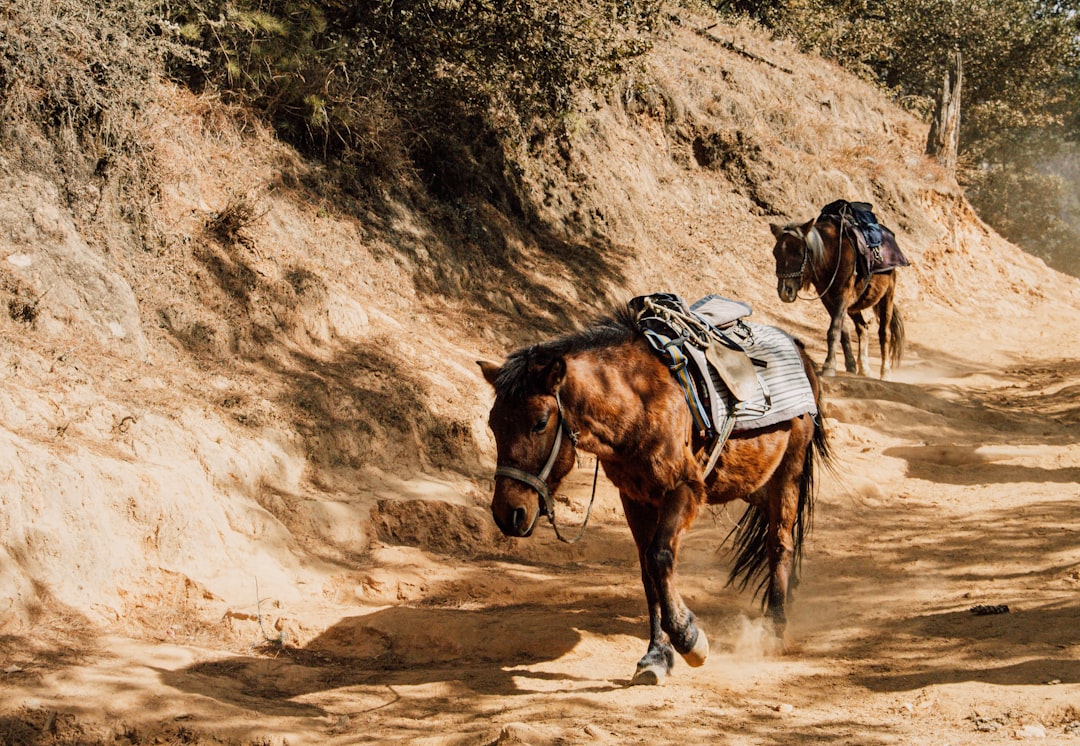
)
(957, 488)
(146, 491)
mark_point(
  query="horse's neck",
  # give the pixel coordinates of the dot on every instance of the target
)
(608, 395)
(831, 245)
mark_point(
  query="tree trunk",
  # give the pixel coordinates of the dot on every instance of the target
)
(944, 138)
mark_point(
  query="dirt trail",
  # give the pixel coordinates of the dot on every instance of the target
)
(957, 488)
(300, 406)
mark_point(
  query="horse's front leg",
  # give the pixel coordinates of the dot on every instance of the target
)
(845, 345)
(836, 327)
(677, 511)
(862, 333)
(885, 315)
(659, 659)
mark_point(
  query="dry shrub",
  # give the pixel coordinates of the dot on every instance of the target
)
(22, 301)
(725, 150)
(385, 87)
(75, 79)
(228, 224)
(652, 97)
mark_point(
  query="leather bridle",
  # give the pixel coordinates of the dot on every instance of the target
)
(797, 233)
(539, 481)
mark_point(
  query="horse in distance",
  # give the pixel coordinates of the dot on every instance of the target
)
(824, 254)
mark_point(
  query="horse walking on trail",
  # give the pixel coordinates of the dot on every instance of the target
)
(605, 391)
(824, 253)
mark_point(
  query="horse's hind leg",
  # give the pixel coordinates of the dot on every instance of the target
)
(885, 320)
(659, 659)
(785, 491)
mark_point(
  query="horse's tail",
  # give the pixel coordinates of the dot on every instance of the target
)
(750, 534)
(896, 337)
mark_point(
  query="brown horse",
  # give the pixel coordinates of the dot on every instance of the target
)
(819, 254)
(603, 390)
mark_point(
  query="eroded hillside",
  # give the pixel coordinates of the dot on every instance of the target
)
(235, 432)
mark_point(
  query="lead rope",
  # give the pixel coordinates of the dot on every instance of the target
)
(693, 328)
(836, 269)
(588, 511)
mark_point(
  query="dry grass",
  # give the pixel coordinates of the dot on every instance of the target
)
(75, 86)
(230, 224)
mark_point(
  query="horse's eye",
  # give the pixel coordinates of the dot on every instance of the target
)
(541, 424)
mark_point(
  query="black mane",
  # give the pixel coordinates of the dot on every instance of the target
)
(616, 327)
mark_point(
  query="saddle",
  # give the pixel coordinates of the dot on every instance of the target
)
(877, 250)
(719, 380)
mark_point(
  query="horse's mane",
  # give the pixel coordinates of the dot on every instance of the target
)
(615, 327)
(812, 238)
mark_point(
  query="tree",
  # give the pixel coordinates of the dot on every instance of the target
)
(1021, 84)
(943, 141)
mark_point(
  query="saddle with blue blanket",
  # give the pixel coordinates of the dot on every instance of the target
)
(877, 250)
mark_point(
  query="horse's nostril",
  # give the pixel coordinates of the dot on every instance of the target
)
(517, 518)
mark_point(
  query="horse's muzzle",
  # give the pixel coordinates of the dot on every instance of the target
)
(514, 522)
(788, 290)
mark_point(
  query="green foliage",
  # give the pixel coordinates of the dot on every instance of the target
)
(1012, 49)
(1031, 197)
(1021, 83)
(1035, 217)
(338, 78)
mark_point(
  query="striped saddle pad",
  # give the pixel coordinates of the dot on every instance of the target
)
(768, 385)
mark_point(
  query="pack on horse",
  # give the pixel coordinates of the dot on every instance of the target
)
(618, 389)
(849, 260)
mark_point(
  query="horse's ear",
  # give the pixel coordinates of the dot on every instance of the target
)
(554, 374)
(490, 370)
(807, 227)
(777, 230)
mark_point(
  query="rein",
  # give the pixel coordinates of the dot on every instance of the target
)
(588, 512)
(806, 260)
(539, 481)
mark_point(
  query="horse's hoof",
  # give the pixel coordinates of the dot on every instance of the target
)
(696, 655)
(649, 675)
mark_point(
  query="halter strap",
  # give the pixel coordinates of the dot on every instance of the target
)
(797, 233)
(539, 481)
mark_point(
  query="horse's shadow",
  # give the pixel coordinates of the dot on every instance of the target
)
(486, 651)
(966, 465)
(981, 648)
